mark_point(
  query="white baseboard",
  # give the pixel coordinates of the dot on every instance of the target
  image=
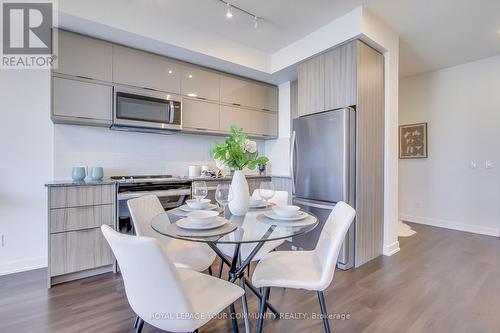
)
(391, 249)
(22, 265)
(476, 229)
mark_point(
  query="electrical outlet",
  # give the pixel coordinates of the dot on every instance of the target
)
(488, 164)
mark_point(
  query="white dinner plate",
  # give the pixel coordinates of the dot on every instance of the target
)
(187, 224)
(263, 205)
(187, 209)
(300, 216)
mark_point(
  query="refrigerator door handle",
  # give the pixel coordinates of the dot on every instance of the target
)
(292, 158)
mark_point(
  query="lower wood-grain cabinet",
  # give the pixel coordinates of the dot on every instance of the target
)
(77, 248)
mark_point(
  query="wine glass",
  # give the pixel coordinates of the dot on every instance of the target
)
(199, 190)
(266, 191)
(223, 195)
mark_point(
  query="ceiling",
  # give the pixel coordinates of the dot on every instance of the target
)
(433, 34)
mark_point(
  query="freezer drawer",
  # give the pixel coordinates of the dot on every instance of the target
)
(309, 240)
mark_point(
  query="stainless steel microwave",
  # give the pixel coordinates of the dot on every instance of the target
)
(146, 110)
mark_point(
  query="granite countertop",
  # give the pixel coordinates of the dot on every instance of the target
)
(56, 183)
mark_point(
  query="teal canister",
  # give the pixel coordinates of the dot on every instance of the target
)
(97, 173)
(78, 174)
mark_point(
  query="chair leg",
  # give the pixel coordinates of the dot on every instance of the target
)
(234, 321)
(324, 312)
(209, 270)
(219, 274)
(262, 310)
(140, 324)
(136, 321)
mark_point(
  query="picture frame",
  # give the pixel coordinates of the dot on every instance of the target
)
(413, 141)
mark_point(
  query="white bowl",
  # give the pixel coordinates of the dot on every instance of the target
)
(198, 204)
(286, 210)
(256, 201)
(202, 217)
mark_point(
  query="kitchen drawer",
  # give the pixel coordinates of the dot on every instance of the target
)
(81, 195)
(78, 250)
(77, 218)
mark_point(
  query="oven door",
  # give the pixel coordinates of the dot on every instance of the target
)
(144, 108)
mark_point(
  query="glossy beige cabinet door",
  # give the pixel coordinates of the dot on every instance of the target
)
(200, 115)
(340, 77)
(83, 56)
(241, 92)
(312, 86)
(200, 83)
(146, 70)
(81, 102)
(231, 115)
(263, 124)
(235, 91)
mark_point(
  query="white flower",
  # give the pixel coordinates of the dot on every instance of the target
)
(250, 146)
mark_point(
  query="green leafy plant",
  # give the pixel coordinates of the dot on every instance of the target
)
(237, 152)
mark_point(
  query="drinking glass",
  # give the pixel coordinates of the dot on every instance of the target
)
(223, 195)
(266, 191)
(199, 190)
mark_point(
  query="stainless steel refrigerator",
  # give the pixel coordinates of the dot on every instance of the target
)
(323, 167)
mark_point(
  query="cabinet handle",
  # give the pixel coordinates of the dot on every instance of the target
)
(202, 98)
(84, 77)
(149, 89)
(237, 104)
(200, 129)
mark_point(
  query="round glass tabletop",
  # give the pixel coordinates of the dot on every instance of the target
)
(253, 227)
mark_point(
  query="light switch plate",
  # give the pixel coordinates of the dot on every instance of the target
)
(2, 240)
(488, 164)
(473, 164)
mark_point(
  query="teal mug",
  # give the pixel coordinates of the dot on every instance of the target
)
(78, 174)
(96, 173)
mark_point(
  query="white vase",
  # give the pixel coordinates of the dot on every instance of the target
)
(240, 196)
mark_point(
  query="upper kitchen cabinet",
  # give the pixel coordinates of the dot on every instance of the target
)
(241, 92)
(199, 83)
(328, 81)
(146, 70)
(81, 102)
(83, 56)
(311, 79)
(200, 115)
(340, 77)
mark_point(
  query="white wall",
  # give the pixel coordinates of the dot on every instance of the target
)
(462, 106)
(278, 150)
(26, 164)
(129, 153)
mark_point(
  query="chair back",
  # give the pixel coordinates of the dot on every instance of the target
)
(143, 210)
(280, 197)
(152, 283)
(330, 241)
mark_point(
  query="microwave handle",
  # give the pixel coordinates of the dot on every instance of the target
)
(171, 112)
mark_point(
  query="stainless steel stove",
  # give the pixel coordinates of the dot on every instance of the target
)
(172, 192)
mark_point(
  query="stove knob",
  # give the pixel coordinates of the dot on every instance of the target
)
(131, 179)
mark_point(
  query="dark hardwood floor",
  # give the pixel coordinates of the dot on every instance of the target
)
(441, 281)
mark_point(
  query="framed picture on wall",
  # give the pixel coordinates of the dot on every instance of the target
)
(413, 141)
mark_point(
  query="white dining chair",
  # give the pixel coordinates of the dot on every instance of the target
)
(192, 255)
(310, 270)
(166, 297)
(280, 198)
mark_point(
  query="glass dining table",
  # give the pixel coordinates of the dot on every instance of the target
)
(238, 241)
